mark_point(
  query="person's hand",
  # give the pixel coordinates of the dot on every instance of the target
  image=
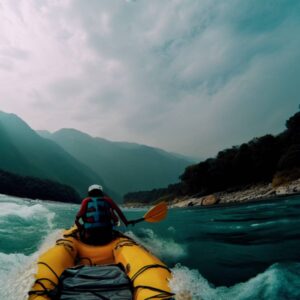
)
(118, 223)
(78, 224)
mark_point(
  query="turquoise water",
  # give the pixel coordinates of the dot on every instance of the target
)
(243, 252)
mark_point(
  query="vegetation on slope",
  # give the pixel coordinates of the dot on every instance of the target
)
(34, 188)
(264, 159)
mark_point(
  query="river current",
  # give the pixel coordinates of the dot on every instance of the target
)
(240, 252)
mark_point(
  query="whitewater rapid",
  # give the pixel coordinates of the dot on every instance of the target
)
(28, 228)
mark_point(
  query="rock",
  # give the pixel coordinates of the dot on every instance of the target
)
(209, 200)
(191, 203)
(282, 190)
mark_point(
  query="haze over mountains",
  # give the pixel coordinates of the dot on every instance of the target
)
(78, 160)
(24, 152)
(124, 166)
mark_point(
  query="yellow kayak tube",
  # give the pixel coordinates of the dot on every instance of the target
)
(148, 276)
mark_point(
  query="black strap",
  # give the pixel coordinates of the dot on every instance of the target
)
(45, 264)
(126, 242)
(143, 269)
(45, 291)
(66, 243)
(163, 294)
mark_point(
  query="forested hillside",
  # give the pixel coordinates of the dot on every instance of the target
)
(264, 159)
(34, 188)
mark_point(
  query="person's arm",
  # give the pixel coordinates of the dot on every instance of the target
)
(116, 208)
(81, 212)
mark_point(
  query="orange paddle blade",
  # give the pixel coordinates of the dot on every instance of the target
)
(156, 213)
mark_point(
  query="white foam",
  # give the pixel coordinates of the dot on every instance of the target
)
(17, 270)
(16, 273)
(263, 286)
(22, 211)
(162, 247)
(276, 281)
(187, 284)
(50, 240)
(26, 212)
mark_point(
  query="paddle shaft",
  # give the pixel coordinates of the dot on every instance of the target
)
(137, 221)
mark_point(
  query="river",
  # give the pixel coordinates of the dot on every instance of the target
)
(243, 252)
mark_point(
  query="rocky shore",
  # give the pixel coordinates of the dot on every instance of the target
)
(246, 194)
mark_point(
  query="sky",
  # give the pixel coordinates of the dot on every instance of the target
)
(192, 77)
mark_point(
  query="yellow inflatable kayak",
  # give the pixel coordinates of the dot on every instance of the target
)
(148, 277)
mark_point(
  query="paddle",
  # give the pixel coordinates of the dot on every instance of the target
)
(154, 214)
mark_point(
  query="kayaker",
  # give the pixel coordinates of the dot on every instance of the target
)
(97, 217)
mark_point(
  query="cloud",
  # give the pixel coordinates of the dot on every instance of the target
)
(189, 76)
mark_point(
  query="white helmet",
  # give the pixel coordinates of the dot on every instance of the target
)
(95, 187)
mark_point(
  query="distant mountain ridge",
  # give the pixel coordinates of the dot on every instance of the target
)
(125, 166)
(26, 153)
(76, 159)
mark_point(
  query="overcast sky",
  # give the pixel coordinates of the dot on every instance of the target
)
(187, 76)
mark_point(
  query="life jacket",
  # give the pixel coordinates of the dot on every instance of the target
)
(98, 214)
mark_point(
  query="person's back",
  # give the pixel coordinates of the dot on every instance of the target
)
(98, 217)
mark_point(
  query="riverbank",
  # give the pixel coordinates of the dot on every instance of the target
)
(247, 194)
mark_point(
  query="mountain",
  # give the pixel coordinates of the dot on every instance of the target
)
(26, 153)
(124, 166)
